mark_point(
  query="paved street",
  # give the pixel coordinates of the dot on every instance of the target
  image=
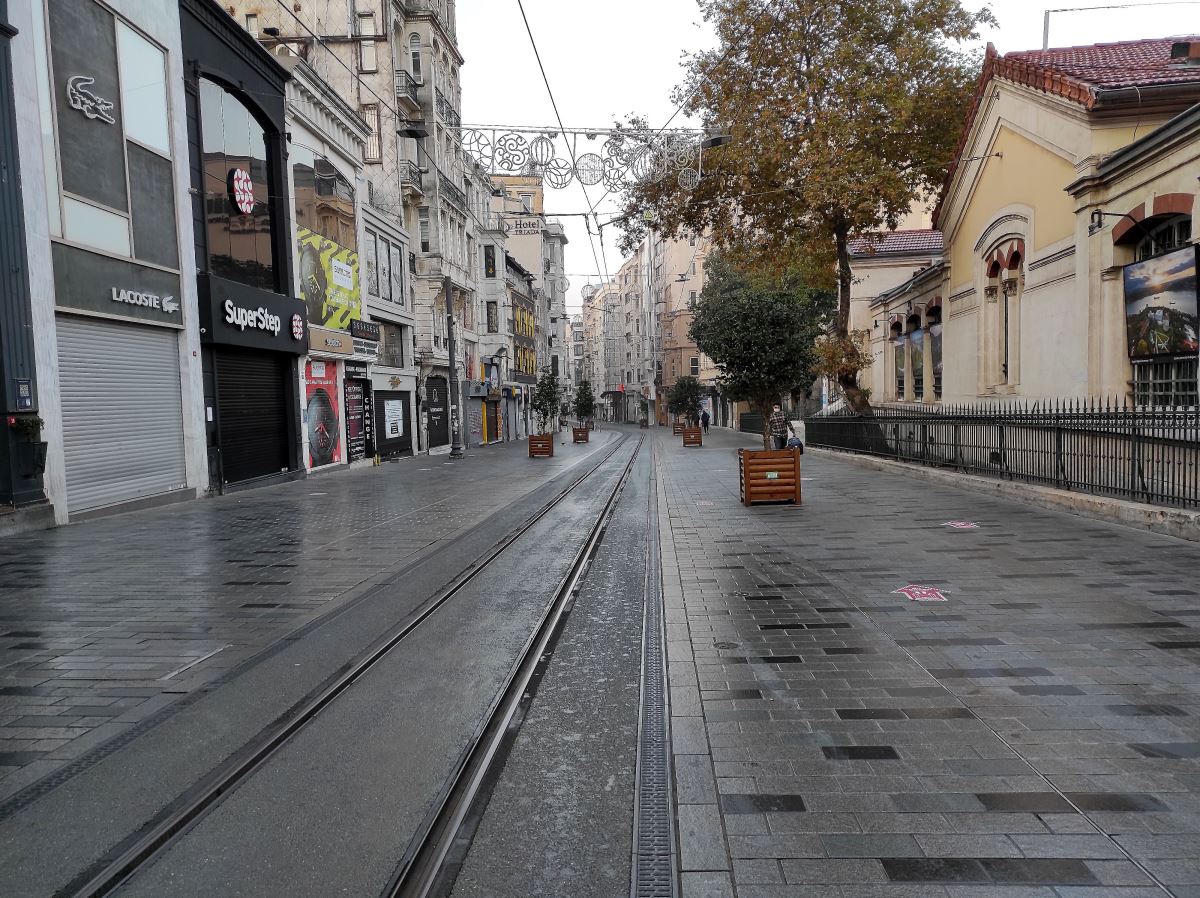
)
(1033, 735)
(104, 623)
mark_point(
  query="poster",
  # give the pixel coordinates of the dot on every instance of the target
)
(322, 415)
(356, 424)
(1160, 305)
(393, 419)
(329, 280)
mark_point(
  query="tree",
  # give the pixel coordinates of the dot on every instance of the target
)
(844, 115)
(545, 399)
(760, 331)
(684, 398)
(585, 401)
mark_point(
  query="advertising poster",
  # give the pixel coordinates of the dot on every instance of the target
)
(356, 420)
(322, 414)
(393, 419)
(329, 280)
(1160, 305)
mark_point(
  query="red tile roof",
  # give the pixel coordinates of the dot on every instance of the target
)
(898, 243)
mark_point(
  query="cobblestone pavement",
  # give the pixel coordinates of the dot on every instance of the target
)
(1035, 735)
(103, 623)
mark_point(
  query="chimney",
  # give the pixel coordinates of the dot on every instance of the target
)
(1186, 53)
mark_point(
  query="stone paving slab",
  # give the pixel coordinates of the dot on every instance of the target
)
(1032, 730)
(105, 622)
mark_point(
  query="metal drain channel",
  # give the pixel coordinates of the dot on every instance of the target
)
(654, 867)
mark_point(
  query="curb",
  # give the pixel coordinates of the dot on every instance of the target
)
(1176, 522)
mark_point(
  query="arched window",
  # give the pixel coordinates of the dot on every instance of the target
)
(916, 355)
(933, 324)
(1004, 264)
(414, 49)
(1162, 236)
(898, 356)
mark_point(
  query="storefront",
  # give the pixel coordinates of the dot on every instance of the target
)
(253, 331)
(337, 395)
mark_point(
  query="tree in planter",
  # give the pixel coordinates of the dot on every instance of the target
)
(760, 331)
(844, 115)
(545, 400)
(585, 401)
(684, 398)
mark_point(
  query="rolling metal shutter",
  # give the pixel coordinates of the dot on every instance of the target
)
(252, 401)
(122, 411)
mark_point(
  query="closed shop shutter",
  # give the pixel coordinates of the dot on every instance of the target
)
(122, 411)
(253, 401)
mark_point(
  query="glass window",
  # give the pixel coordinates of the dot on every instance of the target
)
(370, 115)
(372, 267)
(397, 274)
(252, 24)
(935, 358)
(143, 90)
(1164, 237)
(366, 48)
(236, 196)
(694, 366)
(414, 46)
(1165, 381)
(898, 352)
(384, 261)
(96, 227)
(493, 318)
(916, 354)
(423, 222)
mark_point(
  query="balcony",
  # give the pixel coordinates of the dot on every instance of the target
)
(452, 192)
(406, 91)
(446, 111)
(410, 178)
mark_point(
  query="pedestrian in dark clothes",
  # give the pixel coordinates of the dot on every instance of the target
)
(778, 426)
(704, 420)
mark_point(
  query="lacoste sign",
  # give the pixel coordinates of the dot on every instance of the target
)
(168, 305)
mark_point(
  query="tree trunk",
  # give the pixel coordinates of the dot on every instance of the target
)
(765, 406)
(848, 381)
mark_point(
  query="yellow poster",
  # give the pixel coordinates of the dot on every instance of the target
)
(329, 280)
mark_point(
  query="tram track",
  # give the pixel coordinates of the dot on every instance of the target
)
(140, 850)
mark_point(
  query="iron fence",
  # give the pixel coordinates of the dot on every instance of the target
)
(1093, 446)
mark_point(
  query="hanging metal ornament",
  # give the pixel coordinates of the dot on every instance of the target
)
(659, 166)
(558, 173)
(616, 147)
(565, 284)
(614, 175)
(512, 152)
(589, 169)
(478, 145)
(689, 179)
(588, 291)
(642, 164)
(541, 150)
(681, 151)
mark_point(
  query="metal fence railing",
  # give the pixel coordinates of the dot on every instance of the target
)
(1144, 454)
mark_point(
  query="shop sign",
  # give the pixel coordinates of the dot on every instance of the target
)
(88, 282)
(367, 348)
(356, 369)
(324, 341)
(522, 226)
(258, 319)
(238, 315)
(83, 100)
(367, 330)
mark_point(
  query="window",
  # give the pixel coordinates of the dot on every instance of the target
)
(1165, 236)
(694, 366)
(423, 224)
(414, 49)
(489, 261)
(252, 24)
(526, 202)
(326, 242)
(1165, 381)
(143, 90)
(370, 115)
(935, 358)
(493, 318)
(898, 361)
(234, 145)
(391, 345)
(691, 297)
(366, 48)
(916, 355)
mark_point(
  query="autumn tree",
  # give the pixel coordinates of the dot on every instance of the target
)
(843, 114)
(760, 331)
(684, 398)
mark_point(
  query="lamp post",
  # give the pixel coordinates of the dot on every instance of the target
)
(456, 448)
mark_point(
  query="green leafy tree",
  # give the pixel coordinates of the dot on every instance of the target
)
(585, 401)
(684, 398)
(760, 331)
(844, 116)
(545, 399)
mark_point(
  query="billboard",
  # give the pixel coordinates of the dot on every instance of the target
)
(322, 414)
(329, 280)
(1160, 305)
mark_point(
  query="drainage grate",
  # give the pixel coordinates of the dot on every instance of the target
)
(654, 837)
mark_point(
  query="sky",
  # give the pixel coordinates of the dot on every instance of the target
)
(608, 60)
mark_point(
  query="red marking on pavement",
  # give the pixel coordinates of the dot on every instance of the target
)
(918, 593)
(961, 525)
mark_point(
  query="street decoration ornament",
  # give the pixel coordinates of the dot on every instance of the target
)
(241, 190)
(917, 593)
(961, 525)
(83, 100)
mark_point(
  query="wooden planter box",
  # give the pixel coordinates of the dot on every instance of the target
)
(541, 446)
(693, 436)
(678, 427)
(579, 434)
(769, 475)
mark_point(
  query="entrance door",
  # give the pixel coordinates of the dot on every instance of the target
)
(252, 403)
(493, 422)
(437, 395)
(356, 420)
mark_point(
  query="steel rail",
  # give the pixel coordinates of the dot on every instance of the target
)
(208, 792)
(422, 873)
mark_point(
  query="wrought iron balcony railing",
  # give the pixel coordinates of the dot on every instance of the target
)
(446, 110)
(452, 191)
(406, 86)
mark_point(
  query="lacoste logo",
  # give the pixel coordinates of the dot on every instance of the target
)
(82, 99)
(170, 304)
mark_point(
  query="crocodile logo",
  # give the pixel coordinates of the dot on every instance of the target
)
(170, 304)
(79, 97)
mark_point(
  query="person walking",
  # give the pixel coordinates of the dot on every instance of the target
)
(778, 426)
(704, 419)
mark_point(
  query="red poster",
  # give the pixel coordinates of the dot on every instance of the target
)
(323, 414)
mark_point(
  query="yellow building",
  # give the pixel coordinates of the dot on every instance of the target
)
(1027, 298)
